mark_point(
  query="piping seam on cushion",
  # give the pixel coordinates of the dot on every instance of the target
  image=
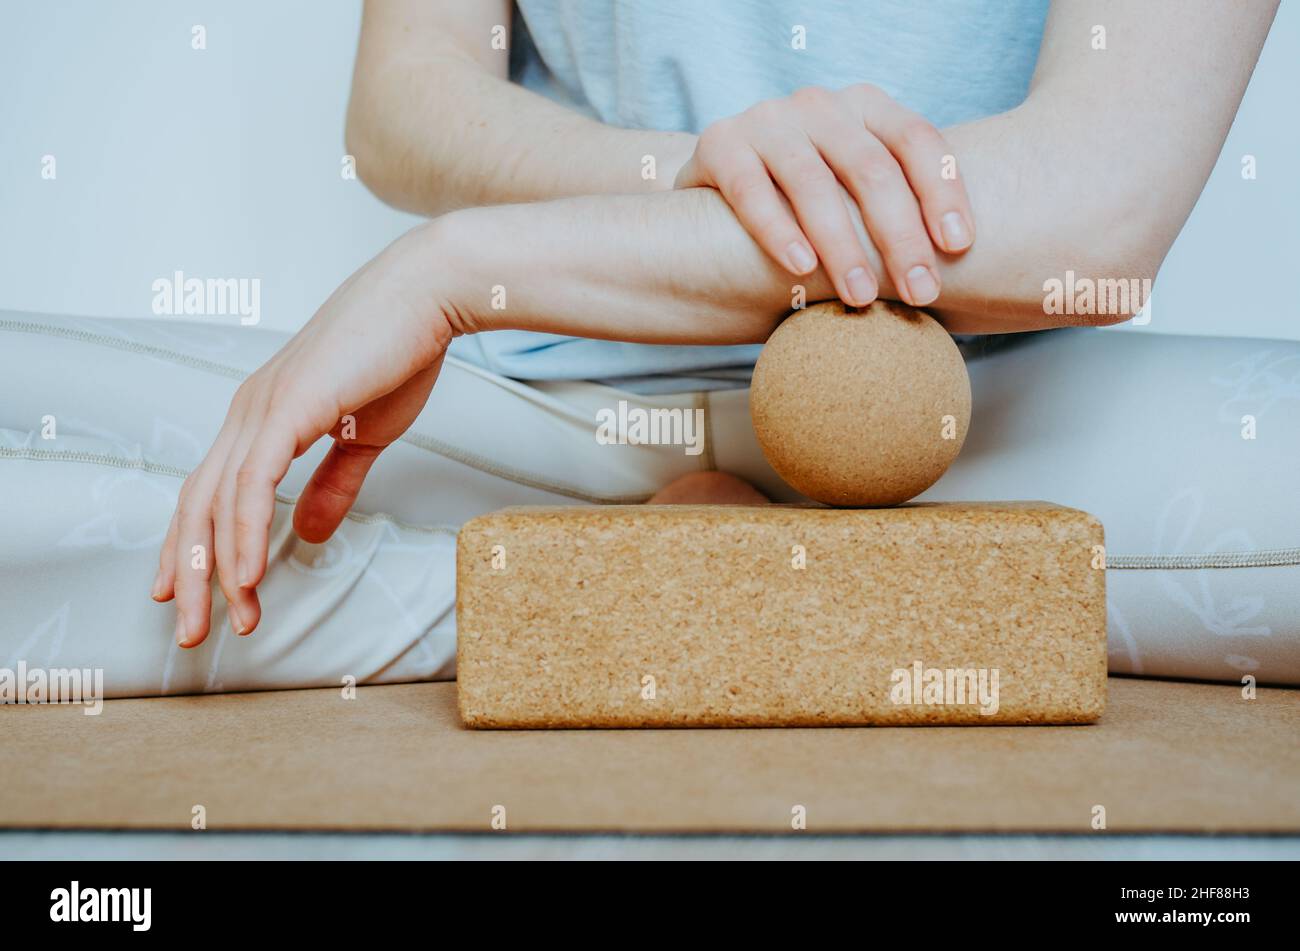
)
(419, 440)
(1265, 558)
(131, 346)
(158, 468)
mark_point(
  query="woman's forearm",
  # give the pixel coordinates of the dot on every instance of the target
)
(444, 135)
(1059, 195)
(1089, 180)
(678, 267)
(675, 267)
(434, 124)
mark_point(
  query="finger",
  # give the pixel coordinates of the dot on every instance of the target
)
(332, 490)
(243, 610)
(889, 210)
(811, 188)
(262, 469)
(194, 560)
(748, 188)
(164, 582)
(928, 162)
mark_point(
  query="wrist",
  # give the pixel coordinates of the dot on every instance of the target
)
(430, 273)
(671, 157)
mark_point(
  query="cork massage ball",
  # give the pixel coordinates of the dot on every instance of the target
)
(860, 408)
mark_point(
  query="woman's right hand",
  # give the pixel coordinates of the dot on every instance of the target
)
(780, 165)
(360, 371)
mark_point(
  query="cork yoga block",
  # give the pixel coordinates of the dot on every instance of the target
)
(774, 615)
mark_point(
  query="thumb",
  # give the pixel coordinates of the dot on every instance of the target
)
(332, 490)
(688, 176)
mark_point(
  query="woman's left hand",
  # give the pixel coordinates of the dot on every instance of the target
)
(781, 164)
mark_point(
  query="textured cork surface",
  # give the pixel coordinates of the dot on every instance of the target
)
(860, 407)
(627, 616)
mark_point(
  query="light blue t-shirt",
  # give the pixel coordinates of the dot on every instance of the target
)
(680, 65)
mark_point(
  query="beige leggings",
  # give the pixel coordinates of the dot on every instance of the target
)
(100, 420)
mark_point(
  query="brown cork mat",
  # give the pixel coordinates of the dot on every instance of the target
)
(1166, 757)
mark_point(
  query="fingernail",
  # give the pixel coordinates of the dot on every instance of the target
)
(861, 288)
(245, 576)
(182, 632)
(921, 285)
(156, 593)
(236, 622)
(956, 236)
(800, 257)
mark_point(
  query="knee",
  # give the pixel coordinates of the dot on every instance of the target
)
(708, 488)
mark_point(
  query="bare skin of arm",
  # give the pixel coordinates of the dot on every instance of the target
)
(435, 125)
(1095, 173)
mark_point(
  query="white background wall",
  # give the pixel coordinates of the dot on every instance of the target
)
(225, 163)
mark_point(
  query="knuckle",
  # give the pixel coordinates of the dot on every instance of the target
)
(747, 189)
(192, 510)
(770, 227)
(280, 395)
(249, 393)
(876, 171)
(812, 96)
(866, 93)
(767, 111)
(714, 140)
(842, 250)
(331, 485)
(809, 174)
(244, 524)
(909, 247)
(246, 477)
(294, 411)
(915, 133)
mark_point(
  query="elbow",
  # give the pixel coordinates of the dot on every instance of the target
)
(1108, 279)
(356, 143)
(1140, 239)
(382, 161)
(363, 141)
(403, 159)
